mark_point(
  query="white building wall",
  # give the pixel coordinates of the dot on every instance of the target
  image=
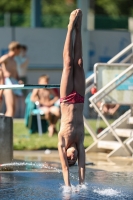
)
(45, 48)
(54, 74)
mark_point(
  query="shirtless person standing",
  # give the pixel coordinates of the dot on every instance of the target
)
(10, 74)
(72, 90)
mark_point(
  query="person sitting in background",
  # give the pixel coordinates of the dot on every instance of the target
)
(47, 99)
(107, 109)
(10, 74)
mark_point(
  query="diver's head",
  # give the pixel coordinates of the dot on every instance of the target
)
(72, 154)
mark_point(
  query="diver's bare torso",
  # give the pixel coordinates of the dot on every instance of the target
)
(72, 128)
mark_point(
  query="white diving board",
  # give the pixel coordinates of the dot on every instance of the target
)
(25, 87)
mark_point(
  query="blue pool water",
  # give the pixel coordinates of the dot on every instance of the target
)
(48, 185)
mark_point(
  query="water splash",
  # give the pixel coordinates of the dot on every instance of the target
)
(29, 166)
(72, 192)
(73, 189)
(107, 192)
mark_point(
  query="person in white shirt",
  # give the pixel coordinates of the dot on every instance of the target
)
(22, 63)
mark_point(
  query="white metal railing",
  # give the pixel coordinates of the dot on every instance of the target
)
(90, 79)
(107, 89)
(116, 123)
(112, 85)
(129, 57)
(110, 127)
(117, 56)
(107, 64)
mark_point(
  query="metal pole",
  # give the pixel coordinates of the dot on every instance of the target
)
(35, 13)
(6, 139)
(7, 19)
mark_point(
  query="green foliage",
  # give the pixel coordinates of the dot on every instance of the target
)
(61, 7)
(19, 11)
(55, 13)
(54, 7)
(114, 7)
(14, 6)
(109, 22)
(57, 7)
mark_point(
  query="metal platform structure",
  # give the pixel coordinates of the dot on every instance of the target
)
(115, 86)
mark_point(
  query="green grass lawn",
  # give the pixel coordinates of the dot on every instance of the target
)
(23, 140)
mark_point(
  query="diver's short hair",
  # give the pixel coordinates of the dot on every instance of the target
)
(71, 164)
(14, 45)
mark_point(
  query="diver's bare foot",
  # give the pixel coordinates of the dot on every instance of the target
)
(72, 19)
(78, 21)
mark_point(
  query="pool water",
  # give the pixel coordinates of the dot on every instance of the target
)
(47, 184)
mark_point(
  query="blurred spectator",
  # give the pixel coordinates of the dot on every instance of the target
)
(48, 100)
(22, 63)
(1, 83)
(108, 109)
(10, 74)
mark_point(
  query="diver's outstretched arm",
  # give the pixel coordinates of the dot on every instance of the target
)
(64, 162)
(81, 162)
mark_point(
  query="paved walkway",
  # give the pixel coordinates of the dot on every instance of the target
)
(40, 155)
(93, 160)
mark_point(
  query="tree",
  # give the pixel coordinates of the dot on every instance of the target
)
(55, 13)
(61, 7)
(58, 7)
(14, 6)
(114, 8)
(48, 6)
